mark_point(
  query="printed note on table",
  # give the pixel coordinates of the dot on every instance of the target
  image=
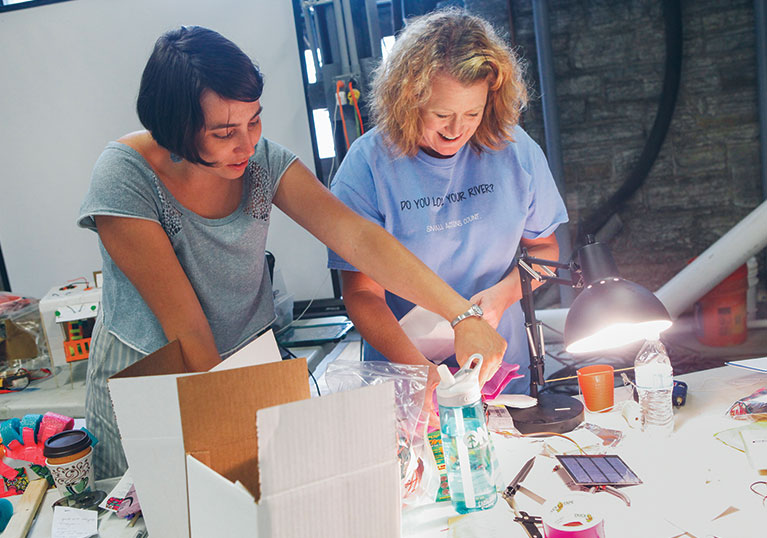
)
(74, 523)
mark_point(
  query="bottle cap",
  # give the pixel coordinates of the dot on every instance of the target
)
(66, 443)
(463, 387)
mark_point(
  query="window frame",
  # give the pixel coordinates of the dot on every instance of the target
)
(27, 4)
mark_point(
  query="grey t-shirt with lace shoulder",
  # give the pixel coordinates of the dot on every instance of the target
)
(223, 258)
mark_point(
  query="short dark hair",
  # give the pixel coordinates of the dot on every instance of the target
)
(185, 62)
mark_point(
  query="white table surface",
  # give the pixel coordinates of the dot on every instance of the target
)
(59, 393)
(64, 393)
(688, 479)
(110, 526)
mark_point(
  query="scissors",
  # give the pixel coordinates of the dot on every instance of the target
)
(530, 523)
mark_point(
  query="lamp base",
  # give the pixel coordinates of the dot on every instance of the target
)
(557, 413)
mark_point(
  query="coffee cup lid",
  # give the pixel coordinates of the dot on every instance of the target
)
(66, 443)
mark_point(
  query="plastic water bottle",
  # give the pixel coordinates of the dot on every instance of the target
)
(655, 385)
(466, 443)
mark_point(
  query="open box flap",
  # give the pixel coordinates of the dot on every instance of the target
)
(260, 351)
(145, 400)
(218, 507)
(314, 440)
(365, 502)
(218, 414)
(167, 360)
(329, 469)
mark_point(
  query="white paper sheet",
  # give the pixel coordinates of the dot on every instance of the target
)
(74, 523)
(431, 334)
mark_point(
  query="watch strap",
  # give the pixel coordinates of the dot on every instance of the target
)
(474, 311)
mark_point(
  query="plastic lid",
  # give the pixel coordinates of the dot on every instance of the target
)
(463, 388)
(66, 443)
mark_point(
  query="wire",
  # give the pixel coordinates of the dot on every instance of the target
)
(291, 355)
(44, 370)
(354, 98)
(316, 385)
(552, 329)
(672, 15)
(340, 85)
(556, 434)
(8, 381)
(335, 154)
(314, 297)
(763, 495)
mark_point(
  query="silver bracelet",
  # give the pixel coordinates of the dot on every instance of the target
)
(474, 311)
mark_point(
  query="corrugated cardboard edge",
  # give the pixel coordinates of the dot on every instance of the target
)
(218, 414)
(343, 482)
(146, 405)
(336, 457)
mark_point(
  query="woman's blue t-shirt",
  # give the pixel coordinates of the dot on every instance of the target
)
(463, 216)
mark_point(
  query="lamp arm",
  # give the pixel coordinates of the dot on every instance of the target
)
(525, 263)
(548, 263)
(533, 328)
(562, 281)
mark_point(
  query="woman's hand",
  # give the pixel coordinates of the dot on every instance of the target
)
(494, 301)
(475, 335)
(428, 403)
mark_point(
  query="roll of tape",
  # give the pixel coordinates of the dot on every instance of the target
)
(6, 511)
(10, 430)
(31, 421)
(572, 517)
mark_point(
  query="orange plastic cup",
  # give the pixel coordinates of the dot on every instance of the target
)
(597, 386)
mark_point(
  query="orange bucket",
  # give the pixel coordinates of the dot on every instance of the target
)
(720, 315)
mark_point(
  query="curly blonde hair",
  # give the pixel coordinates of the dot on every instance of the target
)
(463, 46)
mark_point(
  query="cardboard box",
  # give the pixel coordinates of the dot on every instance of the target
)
(252, 454)
(69, 302)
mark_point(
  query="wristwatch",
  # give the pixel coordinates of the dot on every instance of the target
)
(473, 311)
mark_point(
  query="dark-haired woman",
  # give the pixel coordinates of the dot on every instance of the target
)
(182, 211)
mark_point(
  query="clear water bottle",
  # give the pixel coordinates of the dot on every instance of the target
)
(655, 385)
(466, 443)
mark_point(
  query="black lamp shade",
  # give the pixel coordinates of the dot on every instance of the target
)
(596, 262)
(613, 312)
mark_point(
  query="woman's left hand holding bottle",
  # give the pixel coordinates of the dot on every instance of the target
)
(475, 335)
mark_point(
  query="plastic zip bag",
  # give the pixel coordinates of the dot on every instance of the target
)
(418, 469)
(753, 406)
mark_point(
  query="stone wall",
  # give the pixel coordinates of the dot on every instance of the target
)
(609, 62)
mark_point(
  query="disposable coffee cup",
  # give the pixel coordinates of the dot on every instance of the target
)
(68, 457)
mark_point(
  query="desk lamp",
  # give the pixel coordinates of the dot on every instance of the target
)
(609, 312)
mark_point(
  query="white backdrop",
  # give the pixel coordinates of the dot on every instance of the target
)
(69, 75)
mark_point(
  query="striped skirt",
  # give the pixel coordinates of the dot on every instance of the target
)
(108, 355)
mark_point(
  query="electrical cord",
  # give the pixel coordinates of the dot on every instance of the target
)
(291, 355)
(340, 85)
(763, 487)
(546, 434)
(672, 12)
(8, 380)
(335, 155)
(354, 98)
(309, 304)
